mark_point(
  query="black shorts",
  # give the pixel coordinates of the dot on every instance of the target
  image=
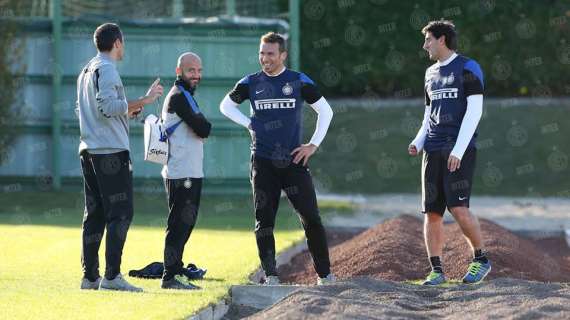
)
(442, 188)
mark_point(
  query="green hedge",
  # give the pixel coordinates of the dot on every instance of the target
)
(373, 48)
(11, 48)
(522, 151)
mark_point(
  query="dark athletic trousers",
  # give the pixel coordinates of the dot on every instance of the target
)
(183, 205)
(108, 185)
(268, 178)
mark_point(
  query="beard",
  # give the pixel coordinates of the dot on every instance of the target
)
(189, 81)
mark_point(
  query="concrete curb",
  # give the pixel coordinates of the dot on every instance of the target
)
(261, 297)
(213, 312)
(538, 234)
(218, 311)
(513, 213)
(373, 103)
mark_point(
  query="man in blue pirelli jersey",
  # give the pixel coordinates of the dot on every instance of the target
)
(453, 107)
(279, 159)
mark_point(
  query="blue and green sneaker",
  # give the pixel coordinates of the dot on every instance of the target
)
(434, 278)
(476, 272)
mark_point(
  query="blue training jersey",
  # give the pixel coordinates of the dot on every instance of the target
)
(446, 90)
(276, 110)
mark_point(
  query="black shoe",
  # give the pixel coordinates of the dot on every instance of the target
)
(178, 284)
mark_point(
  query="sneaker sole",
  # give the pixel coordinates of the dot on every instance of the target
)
(91, 288)
(434, 284)
(116, 289)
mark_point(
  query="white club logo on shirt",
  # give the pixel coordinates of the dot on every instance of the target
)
(287, 89)
(446, 81)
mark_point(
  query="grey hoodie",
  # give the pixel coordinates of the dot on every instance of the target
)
(102, 107)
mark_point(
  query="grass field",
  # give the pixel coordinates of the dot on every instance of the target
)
(522, 151)
(40, 269)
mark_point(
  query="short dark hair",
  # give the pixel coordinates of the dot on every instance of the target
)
(274, 37)
(445, 28)
(105, 36)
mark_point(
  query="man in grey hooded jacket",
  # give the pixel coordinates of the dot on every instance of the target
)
(105, 161)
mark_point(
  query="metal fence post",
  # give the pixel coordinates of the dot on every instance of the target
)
(55, 14)
(231, 7)
(294, 31)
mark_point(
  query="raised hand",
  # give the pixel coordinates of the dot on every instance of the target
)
(154, 91)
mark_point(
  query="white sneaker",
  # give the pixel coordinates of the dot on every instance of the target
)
(119, 284)
(90, 285)
(271, 281)
(330, 279)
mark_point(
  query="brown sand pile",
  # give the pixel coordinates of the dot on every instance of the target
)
(394, 250)
(366, 298)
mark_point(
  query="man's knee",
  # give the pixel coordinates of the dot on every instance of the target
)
(461, 213)
(433, 217)
(263, 232)
(311, 220)
(265, 217)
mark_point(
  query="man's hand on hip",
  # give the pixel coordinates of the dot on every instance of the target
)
(304, 152)
(412, 150)
(453, 163)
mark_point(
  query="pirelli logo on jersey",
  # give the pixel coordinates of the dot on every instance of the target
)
(447, 93)
(274, 104)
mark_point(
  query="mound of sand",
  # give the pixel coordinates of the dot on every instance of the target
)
(366, 298)
(394, 250)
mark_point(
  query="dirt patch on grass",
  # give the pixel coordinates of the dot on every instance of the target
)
(395, 250)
